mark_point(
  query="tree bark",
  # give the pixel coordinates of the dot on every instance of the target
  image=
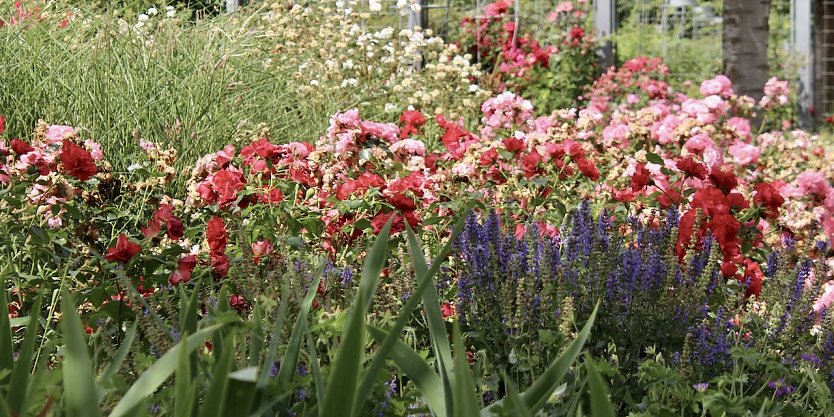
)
(745, 45)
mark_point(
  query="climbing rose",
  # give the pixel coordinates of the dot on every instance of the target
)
(185, 267)
(124, 250)
(77, 161)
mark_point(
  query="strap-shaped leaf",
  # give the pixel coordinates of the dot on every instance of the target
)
(535, 397)
(19, 383)
(381, 355)
(600, 404)
(464, 394)
(159, 372)
(6, 346)
(80, 398)
(418, 371)
(343, 394)
(434, 319)
(118, 359)
(215, 398)
(288, 364)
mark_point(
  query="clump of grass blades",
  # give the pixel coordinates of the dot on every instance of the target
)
(190, 84)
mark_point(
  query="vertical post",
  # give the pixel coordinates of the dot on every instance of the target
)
(231, 6)
(802, 42)
(605, 15)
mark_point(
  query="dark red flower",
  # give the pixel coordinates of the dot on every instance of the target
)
(77, 161)
(514, 145)
(238, 303)
(20, 147)
(124, 250)
(576, 34)
(725, 181)
(175, 229)
(227, 183)
(489, 157)
(447, 310)
(575, 150)
(272, 196)
(2, 124)
(401, 202)
(588, 169)
(640, 179)
(185, 267)
(216, 234)
(412, 121)
(378, 222)
(692, 168)
(768, 196)
(219, 264)
(530, 163)
(754, 278)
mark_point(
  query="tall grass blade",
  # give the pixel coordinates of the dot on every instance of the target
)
(464, 394)
(382, 354)
(343, 386)
(80, 399)
(600, 404)
(159, 372)
(290, 360)
(6, 346)
(19, 383)
(419, 372)
(215, 397)
(185, 390)
(266, 368)
(535, 397)
(118, 359)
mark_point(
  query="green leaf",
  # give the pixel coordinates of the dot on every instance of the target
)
(256, 340)
(464, 394)
(241, 392)
(215, 399)
(654, 158)
(600, 404)
(519, 409)
(184, 387)
(159, 372)
(434, 318)
(290, 360)
(341, 391)
(536, 396)
(314, 363)
(381, 355)
(116, 362)
(6, 346)
(80, 398)
(20, 375)
(418, 371)
(266, 368)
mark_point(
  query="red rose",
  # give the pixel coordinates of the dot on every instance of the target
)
(588, 169)
(185, 267)
(640, 179)
(175, 228)
(124, 250)
(489, 157)
(401, 202)
(768, 196)
(216, 234)
(725, 181)
(447, 310)
(754, 277)
(692, 168)
(227, 183)
(576, 151)
(530, 163)
(20, 147)
(77, 161)
(514, 145)
(378, 222)
(624, 196)
(272, 196)
(219, 264)
(2, 124)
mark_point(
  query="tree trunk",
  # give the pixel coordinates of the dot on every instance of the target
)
(745, 45)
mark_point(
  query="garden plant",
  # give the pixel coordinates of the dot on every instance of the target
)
(291, 211)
